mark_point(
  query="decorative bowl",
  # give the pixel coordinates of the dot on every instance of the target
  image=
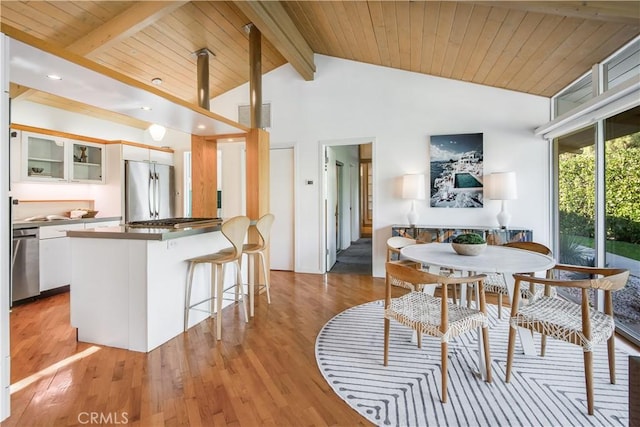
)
(468, 249)
(37, 170)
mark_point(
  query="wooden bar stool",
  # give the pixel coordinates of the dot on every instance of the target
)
(235, 230)
(255, 252)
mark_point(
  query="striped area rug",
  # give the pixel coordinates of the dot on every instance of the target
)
(547, 391)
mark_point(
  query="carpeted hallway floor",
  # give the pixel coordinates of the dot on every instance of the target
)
(356, 259)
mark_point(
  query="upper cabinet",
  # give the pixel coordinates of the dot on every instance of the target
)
(147, 154)
(88, 161)
(52, 158)
(44, 157)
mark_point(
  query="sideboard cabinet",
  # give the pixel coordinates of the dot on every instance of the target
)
(441, 234)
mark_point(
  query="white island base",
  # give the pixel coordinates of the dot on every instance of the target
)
(129, 293)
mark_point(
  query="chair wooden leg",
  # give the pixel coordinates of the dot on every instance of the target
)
(500, 306)
(187, 295)
(510, 350)
(455, 294)
(611, 349)
(240, 288)
(419, 335)
(543, 344)
(266, 276)
(444, 357)
(487, 352)
(251, 282)
(386, 341)
(219, 293)
(588, 376)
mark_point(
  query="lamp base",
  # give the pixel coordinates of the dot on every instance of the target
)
(504, 217)
(412, 216)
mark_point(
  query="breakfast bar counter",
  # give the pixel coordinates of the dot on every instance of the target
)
(136, 233)
(128, 284)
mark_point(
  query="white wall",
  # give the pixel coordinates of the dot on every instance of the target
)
(399, 110)
(5, 226)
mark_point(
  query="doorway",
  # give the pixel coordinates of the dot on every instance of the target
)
(347, 250)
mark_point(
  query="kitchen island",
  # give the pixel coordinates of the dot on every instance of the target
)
(128, 284)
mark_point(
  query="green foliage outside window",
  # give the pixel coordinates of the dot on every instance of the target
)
(577, 190)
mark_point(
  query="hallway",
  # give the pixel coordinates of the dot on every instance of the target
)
(356, 259)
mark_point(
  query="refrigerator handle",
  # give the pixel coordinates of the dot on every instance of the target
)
(151, 195)
(157, 195)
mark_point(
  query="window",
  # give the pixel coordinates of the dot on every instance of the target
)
(598, 193)
(573, 96)
(623, 65)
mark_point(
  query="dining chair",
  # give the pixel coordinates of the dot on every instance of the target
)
(434, 316)
(575, 323)
(394, 245)
(495, 282)
(235, 230)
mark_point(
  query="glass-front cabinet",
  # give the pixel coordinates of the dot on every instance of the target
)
(44, 158)
(52, 158)
(88, 160)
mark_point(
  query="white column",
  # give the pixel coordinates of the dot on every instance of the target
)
(5, 231)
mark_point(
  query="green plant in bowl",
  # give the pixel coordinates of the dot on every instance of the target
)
(469, 239)
(468, 244)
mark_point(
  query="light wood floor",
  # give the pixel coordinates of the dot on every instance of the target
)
(263, 373)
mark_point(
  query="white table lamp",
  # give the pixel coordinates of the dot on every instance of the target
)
(413, 187)
(502, 186)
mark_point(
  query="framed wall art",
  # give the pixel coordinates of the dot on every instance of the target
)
(456, 165)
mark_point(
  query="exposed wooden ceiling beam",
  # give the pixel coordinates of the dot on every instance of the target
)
(122, 26)
(626, 12)
(276, 25)
(140, 15)
(182, 107)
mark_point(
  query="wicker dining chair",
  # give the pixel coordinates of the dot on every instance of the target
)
(434, 316)
(496, 284)
(578, 324)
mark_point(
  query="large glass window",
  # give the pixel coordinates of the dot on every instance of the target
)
(577, 197)
(589, 187)
(622, 213)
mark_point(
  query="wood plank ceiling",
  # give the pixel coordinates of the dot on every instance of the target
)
(532, 47)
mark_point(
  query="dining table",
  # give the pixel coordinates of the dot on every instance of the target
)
(493, 259)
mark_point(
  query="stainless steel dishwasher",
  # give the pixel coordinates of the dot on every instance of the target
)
(25, 264)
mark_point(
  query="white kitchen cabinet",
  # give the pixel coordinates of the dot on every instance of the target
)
(88, 162)
(56, 159)
(98, 224)
(55, 255)
(142, 154)
(44, 158)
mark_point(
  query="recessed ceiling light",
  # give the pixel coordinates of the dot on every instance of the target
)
(156, 81)
(54, 77)
(145, 108)
(201, 127)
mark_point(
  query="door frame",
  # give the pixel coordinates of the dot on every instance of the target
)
(322, 145)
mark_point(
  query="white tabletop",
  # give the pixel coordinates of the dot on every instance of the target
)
(494, 259)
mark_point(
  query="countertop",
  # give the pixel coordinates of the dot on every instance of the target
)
(31, 224)
(131, 233)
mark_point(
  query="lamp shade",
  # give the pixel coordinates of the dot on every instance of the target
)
(157, 132)
(502, 186)
(413, 187)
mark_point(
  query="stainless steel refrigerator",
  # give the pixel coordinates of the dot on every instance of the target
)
(149, 191)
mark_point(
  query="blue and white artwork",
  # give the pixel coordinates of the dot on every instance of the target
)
(456, 171)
